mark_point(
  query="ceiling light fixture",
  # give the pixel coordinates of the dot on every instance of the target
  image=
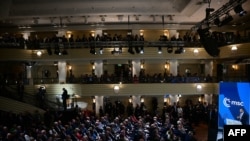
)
(169, 49)
(217, 22)
(226, 8)
(159, 50)
(227, 19)
(196, 52)
(239, 10)
(39, 53)
(179, 50)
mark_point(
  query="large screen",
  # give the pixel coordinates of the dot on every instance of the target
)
(232, 97)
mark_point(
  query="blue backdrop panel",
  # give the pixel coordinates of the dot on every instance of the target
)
(232, 97)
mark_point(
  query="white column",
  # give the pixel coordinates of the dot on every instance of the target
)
(134, 32)
(26, 37)
(136, 100)
(209, 68)
(208, 98)
(173, 67)
(98, 32)
(98, 68)
(61, 33)
(98, 103)
(29, 74)
(136, 67)
(173, 33)
(173, 98)
(62, 71)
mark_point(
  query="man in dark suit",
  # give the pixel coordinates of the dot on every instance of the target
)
(64, 98)
(243, 117)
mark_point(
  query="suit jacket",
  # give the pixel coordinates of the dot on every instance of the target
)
(244, 119)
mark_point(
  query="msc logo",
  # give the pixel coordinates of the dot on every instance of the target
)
(228, 102)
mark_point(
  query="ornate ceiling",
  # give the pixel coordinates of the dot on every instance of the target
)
(39, 15)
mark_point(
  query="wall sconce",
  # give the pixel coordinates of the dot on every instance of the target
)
(70, 67)
(141, 33)
(166, 66)
(196, 52)
(93, 103)
(93, 67)
(235, 67)
(178, 97)
(199, 99)
(165, 100)
(142, 64)
(116, 89)
(69, 35)
(142, 99)
(130, 99)
(166, 33)
(93, 100)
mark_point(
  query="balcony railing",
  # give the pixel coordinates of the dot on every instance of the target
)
(113, 44)
(126, 80)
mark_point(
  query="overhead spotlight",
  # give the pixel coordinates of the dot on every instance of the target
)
(142, 50)
(159, 50)
(239, 10)
(55, 63)
(103, 18)
(228, 18)
(130, 50)
(35, 20)
(30, 64)
(179, 50)
(57, 51)
(49, 51)
(120, 50)
(170, 49)
(208, 11)
(101, 51)
(116, 51)
(153, 18)
(92, 51)
(137, 17)
(64, 52)
(120, 17)
(217, 22)
(137, 50)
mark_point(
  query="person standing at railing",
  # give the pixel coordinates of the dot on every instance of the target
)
(20, 89)
(65, 96)
(41, 96)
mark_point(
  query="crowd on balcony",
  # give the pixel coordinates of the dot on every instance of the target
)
(85, 125)
(141, 78)
(18, 41)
